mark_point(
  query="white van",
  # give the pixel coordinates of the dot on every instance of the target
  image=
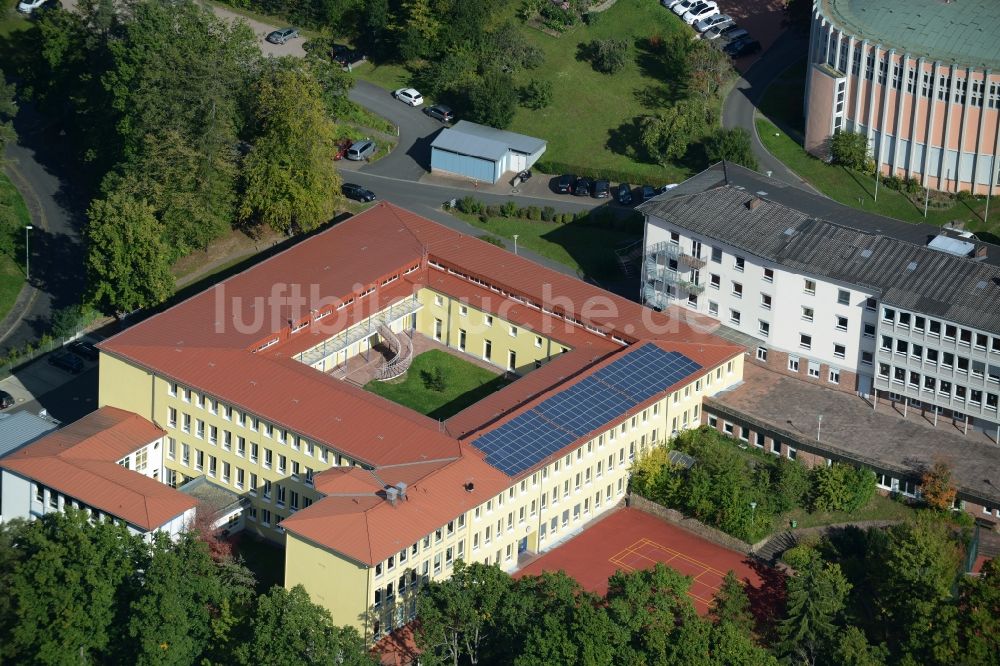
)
(28, 6)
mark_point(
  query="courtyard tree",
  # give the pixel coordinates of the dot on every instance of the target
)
(979, 602)
(127, 261)
(609, 55)
(493, 100)
(731, 604)
(290, 183)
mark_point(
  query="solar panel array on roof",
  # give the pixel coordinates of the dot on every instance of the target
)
(583, 408)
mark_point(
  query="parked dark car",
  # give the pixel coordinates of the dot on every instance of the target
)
(623, 194)
(647, 192)
(581, 187)
(282, 35)
(66, 361)
(84, 350)
(742, 47)
(731, 33)
(6, 400)
(440, 112)
(356, 192)
(602, 189)
(565, 183)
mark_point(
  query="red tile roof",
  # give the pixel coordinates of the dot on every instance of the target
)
(208, 343)
(368, 529)
(81, 461)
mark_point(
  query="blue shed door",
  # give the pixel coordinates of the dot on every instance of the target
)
(463, 165)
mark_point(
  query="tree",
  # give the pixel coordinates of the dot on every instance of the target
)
(936, 486)
(537, 94)
(609, 55)
(507, 49)
(493, 100)
(663, 627)
(707, 67)
(731, 604)
(666, 135)
(170, 620)
(850, 149)
(333, 81)
(853, 649)
(127, 262)
(733, 145)
(918, 567)
(840, 487)
(64, 591)
(816, 599)
(732, 646)
(290, 182)
(980, 610)
(457, 615)
(287, 628)
(8, 109)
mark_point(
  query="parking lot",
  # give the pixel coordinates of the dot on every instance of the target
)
(62, 393)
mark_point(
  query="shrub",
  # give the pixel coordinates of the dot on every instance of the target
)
(840, 487)
(732, 145)
(493, 211)
(913, 186)
(469, 205)
(849, 149)
(548, 213)
(509, 209)
(492, 240)
(609, 55)
(537, 94)
(581, 215)
(434, 380)
(534, 213)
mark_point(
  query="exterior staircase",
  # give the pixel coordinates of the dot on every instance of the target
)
(628, 257)
(402, 354)
(776, 546)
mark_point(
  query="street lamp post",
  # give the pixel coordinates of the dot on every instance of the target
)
(753, 512)
(27, 254)
(515, 243)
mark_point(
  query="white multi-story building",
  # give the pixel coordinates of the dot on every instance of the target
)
(853, 300)
(109, 463)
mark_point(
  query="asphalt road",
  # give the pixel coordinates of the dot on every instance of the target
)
(67, 402)
(36, 164)
(741, 104)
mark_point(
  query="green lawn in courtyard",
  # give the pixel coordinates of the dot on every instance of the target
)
(780, 127)
(464, 384)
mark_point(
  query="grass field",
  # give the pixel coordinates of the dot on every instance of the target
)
(879, 508)
(590, 122)
(585, 248)
(464, 384)
(14, 217)
(780, 126)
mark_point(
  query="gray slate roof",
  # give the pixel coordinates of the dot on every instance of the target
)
(816, 236)
(469, 138)
(22, 428)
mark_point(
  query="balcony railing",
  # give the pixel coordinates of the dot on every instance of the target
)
(690, 287)
(692, 261)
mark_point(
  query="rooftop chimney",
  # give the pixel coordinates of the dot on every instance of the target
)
(753, 203)
(981, 252)
(469, 487)
(401, 487)
(391, 494)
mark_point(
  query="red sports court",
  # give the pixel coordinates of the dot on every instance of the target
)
(629, 539)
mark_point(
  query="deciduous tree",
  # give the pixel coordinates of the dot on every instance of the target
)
(733, 145)
(290, 182)
(287, 628)
(937, 488)
(127, 261)
(8, 109)
(493, 101)
(666, 135)
(731, 604)
(980, 611)
(850, 149)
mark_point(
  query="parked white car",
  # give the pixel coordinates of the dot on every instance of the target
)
(409, 96)
(713, 22)
(28, 6)
(683, 6)
(700, 11)
(670, 4)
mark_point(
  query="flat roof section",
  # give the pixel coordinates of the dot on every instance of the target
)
(851, 427)
(960, 31)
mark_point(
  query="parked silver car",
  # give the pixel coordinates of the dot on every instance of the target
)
(361, 150)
